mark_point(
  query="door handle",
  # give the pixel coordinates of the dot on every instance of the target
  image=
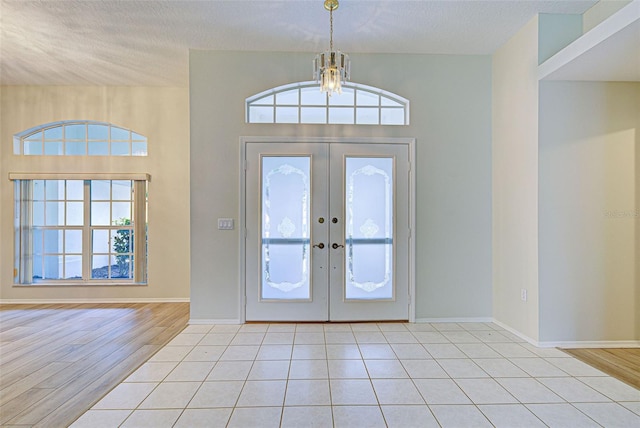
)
(335, 246)
(320, 245)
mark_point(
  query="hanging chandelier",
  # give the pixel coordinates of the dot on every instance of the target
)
(331, 68)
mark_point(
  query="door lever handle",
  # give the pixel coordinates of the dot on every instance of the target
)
(320, 245)
(335, 246)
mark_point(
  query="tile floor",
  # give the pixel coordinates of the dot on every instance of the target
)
(363, 375)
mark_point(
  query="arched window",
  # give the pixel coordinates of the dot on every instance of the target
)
(303, 102)
(79, 138)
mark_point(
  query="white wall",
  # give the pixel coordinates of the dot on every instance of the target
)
(515, 181)
(589, 140)
(161, 114)
(450, 117)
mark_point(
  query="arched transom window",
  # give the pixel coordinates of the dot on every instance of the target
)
(79, 138)
(304, 103)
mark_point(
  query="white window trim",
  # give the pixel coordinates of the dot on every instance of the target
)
(23, 265)
(137, 176)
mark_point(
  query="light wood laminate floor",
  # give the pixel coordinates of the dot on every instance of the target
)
(56, 361)
(621, 363)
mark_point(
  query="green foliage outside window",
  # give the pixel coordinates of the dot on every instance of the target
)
(123, 246)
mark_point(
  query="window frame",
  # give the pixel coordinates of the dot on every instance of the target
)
(24, 227)
(64, 142)
(386, 101)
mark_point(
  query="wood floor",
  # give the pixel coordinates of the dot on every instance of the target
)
(621, 363)
(56, 361)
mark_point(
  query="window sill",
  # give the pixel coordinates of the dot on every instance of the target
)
(88, 284)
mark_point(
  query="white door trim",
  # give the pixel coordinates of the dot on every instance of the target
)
(242, 225)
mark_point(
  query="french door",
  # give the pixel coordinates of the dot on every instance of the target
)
(327, 232)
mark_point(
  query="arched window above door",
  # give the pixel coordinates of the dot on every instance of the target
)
(303, 103)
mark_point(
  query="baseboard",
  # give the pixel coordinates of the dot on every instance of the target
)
(593, 344)
(519, 334)
(462, 320)
(202, 321)
(573, 344)
(101, 300)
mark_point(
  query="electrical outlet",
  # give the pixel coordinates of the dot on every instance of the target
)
(225, 224)
(523, 294)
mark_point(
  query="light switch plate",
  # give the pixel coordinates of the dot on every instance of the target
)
(225, 224)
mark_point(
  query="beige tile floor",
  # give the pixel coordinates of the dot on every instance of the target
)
(363, 375)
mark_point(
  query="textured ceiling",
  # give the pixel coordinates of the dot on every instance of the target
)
(127, 42)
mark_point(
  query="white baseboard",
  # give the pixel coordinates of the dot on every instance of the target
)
(573, 344)
(436, 320)
(517, 333)
(100, 300)
(593, 344)
(202, 321)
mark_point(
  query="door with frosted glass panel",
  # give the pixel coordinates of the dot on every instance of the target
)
(327, 232)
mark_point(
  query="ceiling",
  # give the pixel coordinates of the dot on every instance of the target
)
(130, 42)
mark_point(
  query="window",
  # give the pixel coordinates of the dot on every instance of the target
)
(304, 103)
(79, 138)
(80, 230)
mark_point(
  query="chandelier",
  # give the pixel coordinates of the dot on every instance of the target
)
(331, 68)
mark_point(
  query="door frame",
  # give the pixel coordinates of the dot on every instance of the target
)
(242, 225)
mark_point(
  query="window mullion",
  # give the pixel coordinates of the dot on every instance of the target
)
(86, 232)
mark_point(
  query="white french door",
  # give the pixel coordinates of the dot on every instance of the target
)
(327, 232)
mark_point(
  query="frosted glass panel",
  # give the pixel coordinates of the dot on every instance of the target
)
(285, 227)
(369, 228)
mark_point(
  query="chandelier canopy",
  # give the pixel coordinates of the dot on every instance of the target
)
(331, 68)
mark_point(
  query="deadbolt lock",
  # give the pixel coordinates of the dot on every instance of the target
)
(321, 220)
(334, 220)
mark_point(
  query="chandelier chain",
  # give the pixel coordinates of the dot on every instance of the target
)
(331, 29)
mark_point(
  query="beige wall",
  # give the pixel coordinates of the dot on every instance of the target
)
(450, 118)
(161, 114)
(589, 139)
(601, 11)
(515, 181)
